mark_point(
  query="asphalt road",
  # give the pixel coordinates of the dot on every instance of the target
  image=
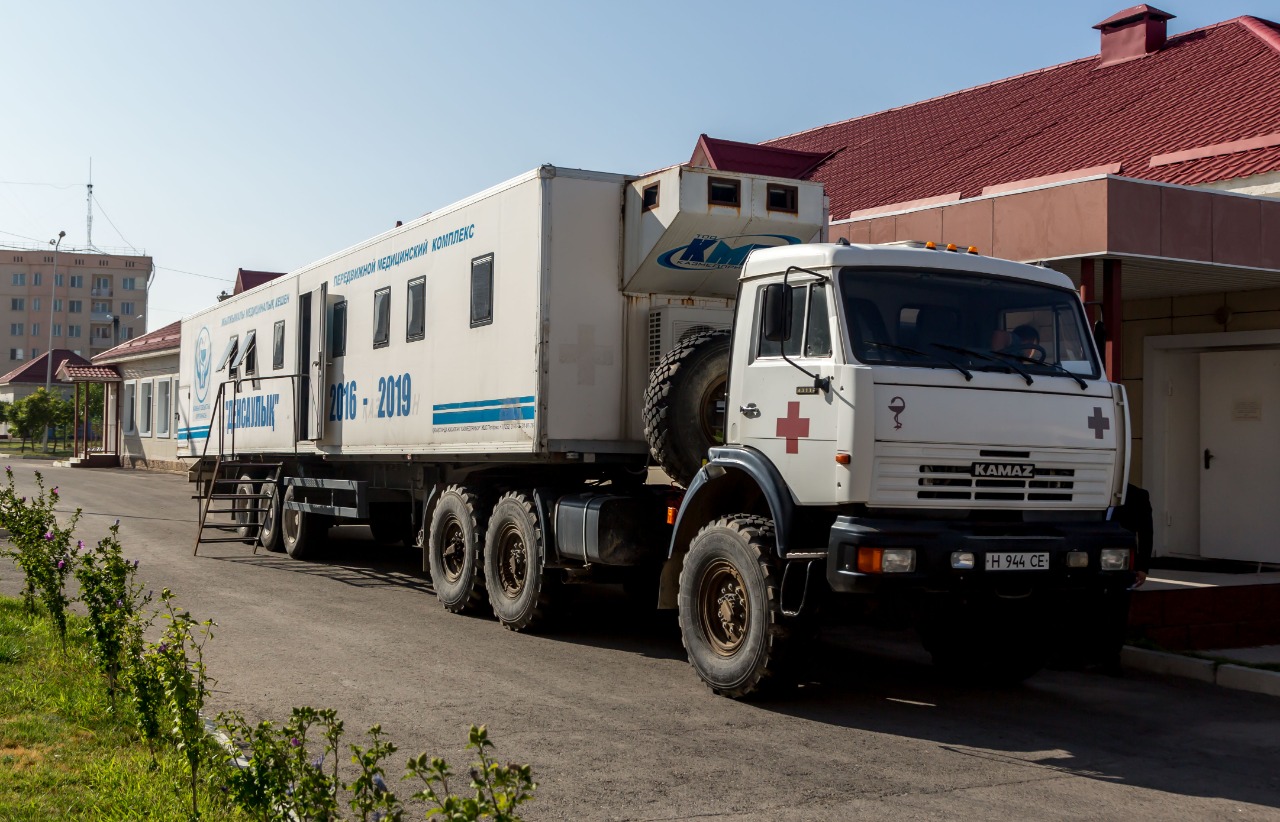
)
(617, 726)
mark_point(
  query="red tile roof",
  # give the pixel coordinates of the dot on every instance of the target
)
(749, 158)
(246, 279)
(88, 373)
(1210, 87)
(168, 338)
(35, 370)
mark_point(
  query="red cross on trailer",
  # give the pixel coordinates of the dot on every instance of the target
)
(793, 427)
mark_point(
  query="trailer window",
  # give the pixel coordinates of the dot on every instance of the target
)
(724, 192)
(382, 317)
(338, 330)
(277, 346)
(649, 196)
(416, 312)
(482, 290)
(782, 198)
(248, 354)
(229, 353)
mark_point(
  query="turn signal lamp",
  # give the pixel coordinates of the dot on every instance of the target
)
(671, 515)
(1077, 559)
(951, 247)
(886, 560)
(843, 458)
(1114, 559)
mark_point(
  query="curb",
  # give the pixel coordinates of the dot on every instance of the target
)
(1225, 675)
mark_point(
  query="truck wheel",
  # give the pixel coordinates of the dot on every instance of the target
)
(269, 532)
(684, 404)
(730, 618)
(514, 571)
(304, 534)
(453, 550)
(248, 520)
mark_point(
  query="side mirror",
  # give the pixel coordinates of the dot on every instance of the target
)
(1100, 336)
(777, 313)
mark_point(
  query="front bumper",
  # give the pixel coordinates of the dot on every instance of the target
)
(935, 542)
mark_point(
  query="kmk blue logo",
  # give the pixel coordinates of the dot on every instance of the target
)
(204, 364)
(708, 252)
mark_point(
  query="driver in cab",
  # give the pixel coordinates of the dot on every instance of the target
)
(1023, 342)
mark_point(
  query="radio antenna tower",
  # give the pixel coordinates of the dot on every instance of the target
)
(88, 228)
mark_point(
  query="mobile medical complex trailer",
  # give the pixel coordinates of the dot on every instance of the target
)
(490, 381)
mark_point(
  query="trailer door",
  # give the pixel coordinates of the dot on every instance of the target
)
(312, 344)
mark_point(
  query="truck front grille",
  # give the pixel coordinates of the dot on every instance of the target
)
(957, 482)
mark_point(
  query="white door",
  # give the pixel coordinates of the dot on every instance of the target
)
(781, 413)
(319, 361)
(1240, 455)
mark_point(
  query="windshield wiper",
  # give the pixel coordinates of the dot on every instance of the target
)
(1056, 366)
(982, 356)
(957, 366)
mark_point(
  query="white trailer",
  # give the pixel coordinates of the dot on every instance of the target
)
(490, 381)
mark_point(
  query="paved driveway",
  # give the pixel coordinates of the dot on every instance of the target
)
(617, 726)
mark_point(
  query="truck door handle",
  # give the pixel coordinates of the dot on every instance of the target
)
(750, 410)
(1208, 455)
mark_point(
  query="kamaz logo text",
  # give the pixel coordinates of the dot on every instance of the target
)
(708, 252)
(1003, 469)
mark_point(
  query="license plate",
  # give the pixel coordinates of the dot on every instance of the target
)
(1017, 561)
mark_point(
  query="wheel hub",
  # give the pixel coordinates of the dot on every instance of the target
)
(724, 608)
(453, 554)
(513, 562)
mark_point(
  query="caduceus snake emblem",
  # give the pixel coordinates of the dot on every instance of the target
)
(897, 405)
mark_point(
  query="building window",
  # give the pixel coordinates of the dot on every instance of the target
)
(17, 329)
(35, 303)
(128, 333)
(73, 331)
(19, 278)
(338, 330)
(649, 197)
(416, 311)
(163, 409)
(103, 262)
(79, 261)
(17, 304)
(36, 278)
(15, 353)
(482, 290)
(59, 280)
(101, 307)
(57, 329)
(277, 346)
(17, 259)
(128, 263)
(77, 281)
(75, 306)
(724, 192)
(128, 284)
(35, 329)
(128, 407)
(126, 308)
(57, 304)
(381, 317)
(35, 352)
(144, 408)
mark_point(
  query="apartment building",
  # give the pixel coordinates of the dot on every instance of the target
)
(98, 299)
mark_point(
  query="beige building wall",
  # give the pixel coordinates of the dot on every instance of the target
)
(89, 292)
(148, 396)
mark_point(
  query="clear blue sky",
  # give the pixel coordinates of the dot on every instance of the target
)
(266, 135)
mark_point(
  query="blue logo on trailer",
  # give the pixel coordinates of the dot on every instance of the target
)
(204, 364)
(707, 252)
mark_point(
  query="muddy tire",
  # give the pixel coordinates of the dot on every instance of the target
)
(730, 614)
(304, 534)
(269, 532)
(454, 550)
(514, 564)
(684, 405)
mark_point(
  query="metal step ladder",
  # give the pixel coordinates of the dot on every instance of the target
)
(225, 493)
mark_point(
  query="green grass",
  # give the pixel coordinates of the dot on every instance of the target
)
(63, 754)
(13, 448)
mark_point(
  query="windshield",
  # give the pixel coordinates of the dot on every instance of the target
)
(935, 319)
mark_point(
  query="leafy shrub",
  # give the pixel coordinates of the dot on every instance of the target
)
(115, 603)
(41, 548)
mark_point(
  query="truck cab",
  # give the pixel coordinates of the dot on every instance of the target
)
(927, 429)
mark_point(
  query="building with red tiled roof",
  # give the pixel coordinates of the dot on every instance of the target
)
(148, 368)
(35, 372)
(168, 338)
(246, 279)
(1148, 173)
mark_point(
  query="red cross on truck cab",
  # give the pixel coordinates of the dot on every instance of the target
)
(793, 427)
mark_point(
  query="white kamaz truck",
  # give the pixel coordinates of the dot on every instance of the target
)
(909, 432)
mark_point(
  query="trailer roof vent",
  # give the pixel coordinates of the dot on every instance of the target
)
(1132, 33)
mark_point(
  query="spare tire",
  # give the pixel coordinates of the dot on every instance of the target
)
(684, 405)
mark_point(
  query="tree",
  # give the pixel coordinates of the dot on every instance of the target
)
(34, 414)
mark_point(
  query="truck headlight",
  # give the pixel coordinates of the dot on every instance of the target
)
(1114, 559)
(963, 560)
(886, 560)
(1077, 559)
